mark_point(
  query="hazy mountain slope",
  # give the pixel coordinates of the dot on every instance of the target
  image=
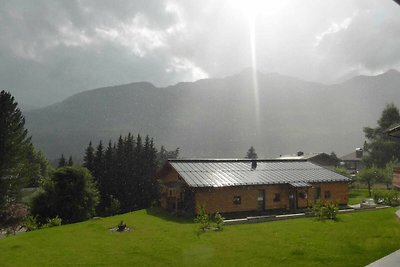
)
(218, 117)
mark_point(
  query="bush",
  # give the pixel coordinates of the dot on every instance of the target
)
(388, 197)
(219, 220)
(30, 223)
(70, 194)
(52, 222)
(203, 219)
(326, 210)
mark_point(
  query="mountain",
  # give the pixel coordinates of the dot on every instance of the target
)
(220, 117)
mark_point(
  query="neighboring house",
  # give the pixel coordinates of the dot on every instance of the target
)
(353, 161)
(396, 178)
(321, 159)
(395, 132)
(231, 185)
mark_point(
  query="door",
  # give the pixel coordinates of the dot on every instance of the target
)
(261, 200)
(292, 199)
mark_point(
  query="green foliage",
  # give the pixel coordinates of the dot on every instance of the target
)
(326, 210)
(251, 153)
(52, 222)
(124, 173)
(203, 219)
(387, 197)
(343, 171)
(370, 176)
(206, 221)
(164, 155)
(15, 145)
(219, 220)
(30, 223)
(70, 194)
(62, 162)
(382, 148)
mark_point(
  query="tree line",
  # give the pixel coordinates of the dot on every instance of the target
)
(113, 179)
(124, 173)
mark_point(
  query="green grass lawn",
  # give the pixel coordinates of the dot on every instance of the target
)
(356, 239)
(357, 195)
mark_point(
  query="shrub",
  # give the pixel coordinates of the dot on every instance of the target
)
(30, 223)
(219, 220)
(331, 210)
(326, 210)
(56, 221)
(203, 219)
(388, 197)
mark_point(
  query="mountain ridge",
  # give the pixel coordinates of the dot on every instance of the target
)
(218, 117)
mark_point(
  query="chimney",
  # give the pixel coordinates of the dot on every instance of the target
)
(359, 153)
(253, 165)
(300, 153)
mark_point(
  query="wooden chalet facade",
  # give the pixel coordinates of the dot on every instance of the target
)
(262, 186)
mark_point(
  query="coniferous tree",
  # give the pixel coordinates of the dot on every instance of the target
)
(14, 147)
(70, 161)
(98, 162)
(88, 159)
(251, 153)
(125, 174)
(62, 162)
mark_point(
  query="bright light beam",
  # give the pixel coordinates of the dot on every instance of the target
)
(252, 26)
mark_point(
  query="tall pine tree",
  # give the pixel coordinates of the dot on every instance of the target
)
(14, 147)
(88, 159)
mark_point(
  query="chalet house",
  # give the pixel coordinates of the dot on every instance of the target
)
(353, 161)
(229, 186)
(395, 132)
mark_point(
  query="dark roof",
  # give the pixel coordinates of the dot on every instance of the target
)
(307, 156)
(228, 172)
(351, 157)
(394, 131)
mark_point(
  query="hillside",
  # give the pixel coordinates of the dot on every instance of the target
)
(155, 239)
(218, 118)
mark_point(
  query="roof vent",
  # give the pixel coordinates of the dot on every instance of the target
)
(300, 153)
(253, 165)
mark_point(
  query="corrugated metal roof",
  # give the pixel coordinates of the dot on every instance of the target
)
(300, 184)
(221, 173)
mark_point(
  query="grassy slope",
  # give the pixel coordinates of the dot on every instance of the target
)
(355, 240)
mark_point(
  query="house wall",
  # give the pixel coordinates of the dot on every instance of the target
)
(222, 199)
(396, 178)
(338, 192)
(171, 194)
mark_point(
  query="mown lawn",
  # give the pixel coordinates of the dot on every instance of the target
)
(356, 239)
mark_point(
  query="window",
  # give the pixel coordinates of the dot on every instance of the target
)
(317, 193)
(327, 194)
(302, 195)
(170, 193)
(237, 200)
(277, 197)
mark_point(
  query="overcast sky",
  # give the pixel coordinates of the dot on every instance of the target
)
(52, 49)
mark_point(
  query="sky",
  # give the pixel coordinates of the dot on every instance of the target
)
(50, 50)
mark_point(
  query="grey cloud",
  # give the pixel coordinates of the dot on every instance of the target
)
(52, 49)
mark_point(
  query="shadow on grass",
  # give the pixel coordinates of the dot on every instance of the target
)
(165, 215)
